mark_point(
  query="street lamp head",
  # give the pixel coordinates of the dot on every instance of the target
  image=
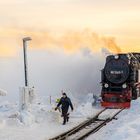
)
(27, 39)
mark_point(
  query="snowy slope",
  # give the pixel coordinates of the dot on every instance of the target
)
(127, 127)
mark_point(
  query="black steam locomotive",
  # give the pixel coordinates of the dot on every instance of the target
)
(120, 80)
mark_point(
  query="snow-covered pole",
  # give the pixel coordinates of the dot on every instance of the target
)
(25, 91)
(25, 59)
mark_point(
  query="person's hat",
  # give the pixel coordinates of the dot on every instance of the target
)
(64, 94)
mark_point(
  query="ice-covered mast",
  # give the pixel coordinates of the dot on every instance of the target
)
(27, 93)
(25, 40)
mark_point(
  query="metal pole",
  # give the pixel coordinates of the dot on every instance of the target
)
(25, 59)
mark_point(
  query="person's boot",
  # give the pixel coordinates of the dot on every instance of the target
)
(64, 122)
(67, 119)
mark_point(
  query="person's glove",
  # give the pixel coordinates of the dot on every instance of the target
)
(55, 108)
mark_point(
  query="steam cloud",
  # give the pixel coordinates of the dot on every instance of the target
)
(51, 72)
(70, 62)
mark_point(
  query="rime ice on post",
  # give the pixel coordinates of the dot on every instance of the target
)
(27, 97)
(25, 40)
(27, 93)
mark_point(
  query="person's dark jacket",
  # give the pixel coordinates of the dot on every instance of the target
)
(65, 103)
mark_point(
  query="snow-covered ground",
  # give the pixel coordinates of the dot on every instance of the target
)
(127, 127)
(41, 122)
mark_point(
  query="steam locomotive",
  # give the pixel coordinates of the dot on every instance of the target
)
(120, 80)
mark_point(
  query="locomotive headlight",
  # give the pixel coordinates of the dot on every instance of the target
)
(124, 85)
(106, 85)
(116, 56)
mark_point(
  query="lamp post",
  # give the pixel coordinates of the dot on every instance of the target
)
(25, 40)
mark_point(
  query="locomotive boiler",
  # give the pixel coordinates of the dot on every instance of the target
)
(120, 80)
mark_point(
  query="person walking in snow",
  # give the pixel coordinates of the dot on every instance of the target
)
(65, 102)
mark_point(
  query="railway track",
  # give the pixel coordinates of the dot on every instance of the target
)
(88, 127)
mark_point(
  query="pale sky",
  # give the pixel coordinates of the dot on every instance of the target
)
(117, 18)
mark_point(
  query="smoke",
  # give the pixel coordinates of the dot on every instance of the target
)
(69, 42)
(71, 62)
(73, 41)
